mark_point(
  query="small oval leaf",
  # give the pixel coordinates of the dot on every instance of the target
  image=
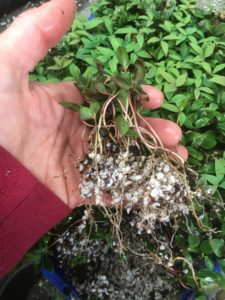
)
(85, 113)
(139, 73)
(122, 125)
(70, 105)
(122, 83)
(122, 56)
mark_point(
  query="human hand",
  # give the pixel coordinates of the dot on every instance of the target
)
(34, 128)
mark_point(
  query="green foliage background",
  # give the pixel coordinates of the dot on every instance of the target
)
(184, 54)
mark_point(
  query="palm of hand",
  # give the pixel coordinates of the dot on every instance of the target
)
(43, 136)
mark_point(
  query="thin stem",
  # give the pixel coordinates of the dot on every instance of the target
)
(137, 126)
(105, 106)
(190, 267)
(127, 117)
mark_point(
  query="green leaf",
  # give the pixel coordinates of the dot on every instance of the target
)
(222, 185)
(139, 72)
(123, 96)
(170, 107)
(223, 230)
(195, 153)
(198, 73)
(126, 30)
(209, 263)
(219, 68)
(93, 23)
(94, 108)
(113, 65)
(132, 133)
(209, 50)
(212, 179)
(66, 63)
(205, 247)
(85, 113)
(90, 72)
(171, 37)
(193, 240)
(122, 83)
(220, 29)
(209, 141)
(122, 125)
(204, 218)
(181, 80)
(198, 82)
(168, 26)
(206, 90)
(165, 47)
(206, 66)
(169, 78)
(217, 246)
(196, 48)
(218, 79)
(153, 40)
(221, 126)
(122, 56)
(151, 73)
(184, 49)
(220, 166)
(74, 70)
(143, 54)
(202, 122)
(108, 24)
(70, 105)
(115, 42)
(181, 118)
(140, 40)
(179, 98)
(221, 261)
(133, 58)
(197, 93)
(169, 88)
(89, 60)
(106, 51)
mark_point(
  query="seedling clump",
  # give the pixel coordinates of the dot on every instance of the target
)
(126, 160)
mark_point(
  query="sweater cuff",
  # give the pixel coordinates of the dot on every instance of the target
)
(28, 210)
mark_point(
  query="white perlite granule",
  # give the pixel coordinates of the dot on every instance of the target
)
(216, 6)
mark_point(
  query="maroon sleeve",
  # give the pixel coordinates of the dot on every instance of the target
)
(27, 210)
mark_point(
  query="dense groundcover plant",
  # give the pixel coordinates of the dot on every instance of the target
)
(181, 51)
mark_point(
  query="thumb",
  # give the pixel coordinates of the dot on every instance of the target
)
(30, 36)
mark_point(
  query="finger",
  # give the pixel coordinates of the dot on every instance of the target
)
(168, 131)
(31, 35)
(180, 150)
(155, 97)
